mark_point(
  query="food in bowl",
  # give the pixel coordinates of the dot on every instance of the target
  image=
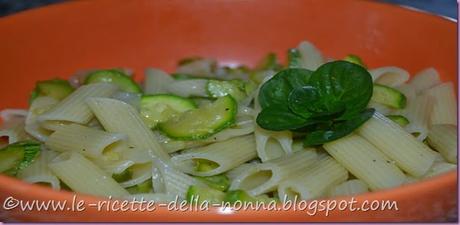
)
(314, 128)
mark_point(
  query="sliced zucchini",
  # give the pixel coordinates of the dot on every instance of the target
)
(125, 82)
(144, 187)
(388, 96)
(294, 58)
(355, 59)
(56, 88)
(200, 194)
(123, 176)
(18, 156)
(203, 165)
(183, 76)
(401, 120)
(218, 182)
(235, 88)
(162, 107)
(202, 122)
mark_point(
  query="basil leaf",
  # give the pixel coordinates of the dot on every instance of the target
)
(277, 119)
(338, 129)
(306, 102)
(345, 83)
(302, 101)
(276, 90)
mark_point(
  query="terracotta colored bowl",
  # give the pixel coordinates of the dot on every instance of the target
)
(61, 39)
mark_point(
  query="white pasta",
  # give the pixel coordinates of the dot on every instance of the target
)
(365, 162)
(39, 106)
(140, 173)
(445, 104)
(440, 168)
(96, 141)
(74, 108)
(262, 178)
(87, 141)
(311, 57)
(119, 117)
(198, 67)
(313, 182)
(425, 79)
(389, 76)
(169, 180)
(349, 188)
(418, 113)
(187, 88)
(156, 81)
(38, 171)
(411, 155)
(81, 175)
(443, 138)
(226, 154)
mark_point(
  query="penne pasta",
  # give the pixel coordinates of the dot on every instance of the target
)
(87, 141)
(83, 176)
(313, 182)
(74, 109)
(349, 188)
(443, 138)
(264, 177)
(424, 80)
(365, 162)
(311, 57)
(119, 117)
(39, 106)
(39, 172)
(445, 104)
(389, 76)
(409, 154)
(226, 155)
(156, 81)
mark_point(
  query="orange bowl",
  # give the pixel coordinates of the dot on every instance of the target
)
(58, 40)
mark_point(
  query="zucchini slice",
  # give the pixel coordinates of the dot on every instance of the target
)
(355, 59)
(401, 120)
(235, 88)
(56, 88)
(199, 194)
(125, 82)
(162, 107)
(217, 182)
(18, 156)
(388, 96)
(202, 122)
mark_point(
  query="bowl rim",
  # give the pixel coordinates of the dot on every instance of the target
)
(13, 184)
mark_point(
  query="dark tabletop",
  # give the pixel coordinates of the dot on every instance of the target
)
(440, 7)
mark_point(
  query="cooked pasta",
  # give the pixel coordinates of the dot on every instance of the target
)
(443, 138)
(313, 182)
(87, 141)
(224, 154)
(74, 108)
(366, 162)
(264, 177)
(408, 153)
(83, 176)
(349, 187)
(313, 128)
(445, 104)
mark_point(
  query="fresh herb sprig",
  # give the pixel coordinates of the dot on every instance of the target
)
(326, 104)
